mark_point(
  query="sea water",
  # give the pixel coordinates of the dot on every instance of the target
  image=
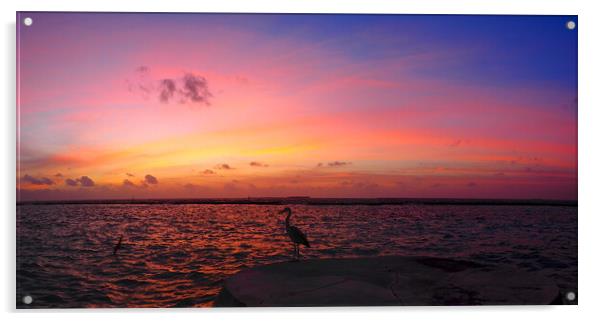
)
(177, 255)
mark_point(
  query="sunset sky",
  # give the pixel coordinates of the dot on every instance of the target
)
(208, 105)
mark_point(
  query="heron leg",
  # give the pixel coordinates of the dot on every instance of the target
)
(296, 252)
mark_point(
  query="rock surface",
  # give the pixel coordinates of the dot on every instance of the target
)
(381, 281)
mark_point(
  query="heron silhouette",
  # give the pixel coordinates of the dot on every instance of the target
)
(297, 237)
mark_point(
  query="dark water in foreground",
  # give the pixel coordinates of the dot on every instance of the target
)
(177, 255)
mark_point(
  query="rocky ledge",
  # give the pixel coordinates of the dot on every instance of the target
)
(385, 281)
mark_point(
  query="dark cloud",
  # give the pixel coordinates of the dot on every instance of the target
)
(167, 89)
(338, 164)
(130, 174)
(224, 167)
(85, 181)
(150, 179)
(195, 88)
(208, 172)
(128, 183)
(37, 181)
(319, 165)
(258, 164)
(141, 185)
(189, 88)
(58, 175)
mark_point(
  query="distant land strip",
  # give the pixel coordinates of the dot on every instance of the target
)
(315, 201)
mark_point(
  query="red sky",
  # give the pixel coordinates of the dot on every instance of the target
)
(170, 106)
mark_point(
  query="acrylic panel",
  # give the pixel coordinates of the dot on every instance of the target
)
(231, 160)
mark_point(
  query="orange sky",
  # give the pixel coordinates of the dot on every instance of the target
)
(235, 106)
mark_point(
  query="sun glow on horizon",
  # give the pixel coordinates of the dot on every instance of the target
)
(263, 105)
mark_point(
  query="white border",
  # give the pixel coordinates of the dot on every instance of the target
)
(590, 157)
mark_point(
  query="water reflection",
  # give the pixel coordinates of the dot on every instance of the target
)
(177, 255)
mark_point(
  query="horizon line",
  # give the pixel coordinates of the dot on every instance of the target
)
(307, 200)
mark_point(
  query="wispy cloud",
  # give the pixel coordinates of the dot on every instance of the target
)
(167, 90)
(338, 164)
(83, 181)
(150, 179)
(37, 181)
(195, 88)
(192, 187)
(224, 166)
(258, 164)
(128, 183)
(188, 88)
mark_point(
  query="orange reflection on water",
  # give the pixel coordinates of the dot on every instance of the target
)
(178, 255)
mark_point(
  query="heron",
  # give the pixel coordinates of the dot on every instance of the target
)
(297, 237)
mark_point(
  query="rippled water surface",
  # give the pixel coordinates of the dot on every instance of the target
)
(177, 255)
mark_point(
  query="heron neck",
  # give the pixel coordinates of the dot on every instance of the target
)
(288, 216)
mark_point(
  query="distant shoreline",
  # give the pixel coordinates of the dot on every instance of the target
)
(313, 201)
